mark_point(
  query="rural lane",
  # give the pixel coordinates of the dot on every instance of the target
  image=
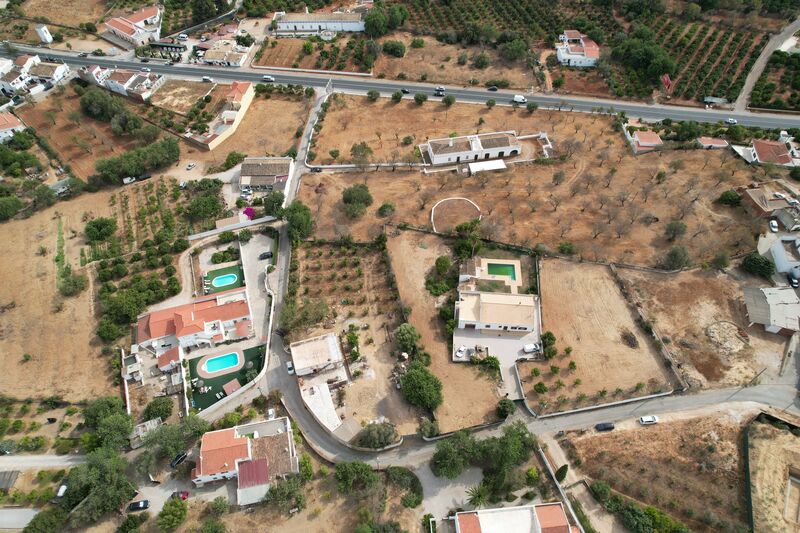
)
(39, 462)
(758, 67)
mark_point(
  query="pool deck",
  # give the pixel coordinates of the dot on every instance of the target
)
(212, 274)
(216, 381)
(513, 285)
(201, 364)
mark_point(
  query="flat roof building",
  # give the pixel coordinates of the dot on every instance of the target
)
(540, 518)
(311, 356)
(776, 308)
(470, 148)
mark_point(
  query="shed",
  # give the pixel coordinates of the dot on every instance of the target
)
(484, 166)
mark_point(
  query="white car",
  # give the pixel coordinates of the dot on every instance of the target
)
(530, 348)
(268, 78)
(648, 420)
(190, 166)
(732, 121)
(773, 226)
(779, 195)
(290, 368)
(128, 180)
(461, 352)
(145, 69)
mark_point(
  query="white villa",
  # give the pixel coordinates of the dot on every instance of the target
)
(470, 148)
(265, 173)
(138, 28)
(539, 518)
(9, 124)
(303, 24)
(256, 454)
(577, 50)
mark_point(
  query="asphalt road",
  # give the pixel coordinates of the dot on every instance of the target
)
(462, 94)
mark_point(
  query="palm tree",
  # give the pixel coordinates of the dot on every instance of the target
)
(478, 495)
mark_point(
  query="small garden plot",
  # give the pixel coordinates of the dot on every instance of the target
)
(180, 96)
(690, 469)
(596, 352)
(346, 53)
(37, 426)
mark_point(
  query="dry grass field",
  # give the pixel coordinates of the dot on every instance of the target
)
(690, 469)
(65, 359)
(80, 144)
(702, 313)
(180, 95)
(609, 203)
(69, 12)
(585, 310)
(469, 398)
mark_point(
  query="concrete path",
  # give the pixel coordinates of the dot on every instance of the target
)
(758, 67)
(39, 462)
(15, 519)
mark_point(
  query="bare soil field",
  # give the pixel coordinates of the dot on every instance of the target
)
(413, 255)
(68, 12)
(361, 294)
(690, 469)
(81, 144)
(288, 54)
(582, 82)
(449, 214)
(267, 130)
(609, 203)
(180, 95)
(585, 310)
(438, 62)
(65, 359)
(774, 468)
(702, 313)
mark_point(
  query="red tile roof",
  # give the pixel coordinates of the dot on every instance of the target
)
(238, 90)
(231, 386)
(170, 356)
(143, 14)
(21, 60)
(243, 328)
(572, 34)
(187, 319)
(712, 141)
(123, 25)
(590, 47)
(253, 473)
(552, 518)
(219, 451)
(647, 137)
(469, 523)
(9, 121)
(772, 152)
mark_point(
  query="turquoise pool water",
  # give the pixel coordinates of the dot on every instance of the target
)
(496, 269)
(221, 362)
(224, 281)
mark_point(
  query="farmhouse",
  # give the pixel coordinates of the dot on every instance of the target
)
(138, 28)
(265, 173)
(762, 203)
(540, 518)
(302, 24)
(491, 312)
(226, 52)
(237, 101)
(760, 152)
(776, 308)
(470, 148)
(9, 124)
(205, 322)
(577, 50)
(643, 141)
(712, 143)
(256, 454)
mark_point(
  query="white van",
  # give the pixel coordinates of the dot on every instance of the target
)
(183, 37)
(208, 79)
(519, 99)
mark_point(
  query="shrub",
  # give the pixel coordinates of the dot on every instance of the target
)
(219, 506)
(376, 436)
(677, 257)
(418, 42)
(386, 209)
(100, 229)
(158, 408)
(420, 387)
(756, 264)
(561, 473)
(373, 95)
(731, 198)
(394, 48)
(172, 514)
(505, 408)
(420, 98)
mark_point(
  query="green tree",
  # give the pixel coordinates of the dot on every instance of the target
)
(115, 430)
(396, 16)
(160, 407)
(212, 525)
(360, 153)
(373, 95)
(677, 257)
(675, 229)
(513, 50)
(397, 96)
(376, 24)
(754, 263)
(531, 107)
(731, 198)
(101, 408)
(218, 506)
(100, 485)
(376, 436)
(272, 203)
(420, 387)
(48, 521)
(204, 207)
(355, 475)
(505, 408)
(286, 494)
(478, 495)
(721, 260)
(561, 473)
(491, 102)
(9, 206)
(420, 98)
(357, 194)
(449, 100)
(394, 48)
(454, 454)
(203, 10)
(298, 219)
(306, 468)
(406, 336)
(172, 514)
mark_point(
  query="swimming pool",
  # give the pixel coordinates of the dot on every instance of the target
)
(500, 269)
(221, 362)
(224, 281)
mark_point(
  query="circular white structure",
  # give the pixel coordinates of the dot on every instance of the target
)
(433, 209)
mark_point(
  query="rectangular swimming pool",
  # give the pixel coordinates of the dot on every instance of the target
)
(222, 362)
(501, 269)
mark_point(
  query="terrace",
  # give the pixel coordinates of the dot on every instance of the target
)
(223, 279)
(223, 383)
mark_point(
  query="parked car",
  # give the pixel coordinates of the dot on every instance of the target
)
(530, 348)
(519, 99)
(461, 352)
(180, 494)
(732, 121)
(290, 368)
(265, 255)
(271, 414)
(144, 60)
(267, 78)
(793, 281)
(128, 180)
(183, 185)
(168, 64)
(493, 88)
(183, 37)
(139, 506)
(773, 226)
(405, 91)
(648, 420)
(779, 195)
(145, 69)
(438, 92)
(83, 54)
(604, 426)
(316, 169)
(178, 459)
(207, 79)
(190, 166)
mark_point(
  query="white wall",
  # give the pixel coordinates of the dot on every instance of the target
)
(470, 156)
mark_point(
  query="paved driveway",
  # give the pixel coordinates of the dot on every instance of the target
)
(16, 518)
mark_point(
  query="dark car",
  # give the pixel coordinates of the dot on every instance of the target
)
(405, 91)
(265, 255)
(437, 92)
(178, 459)
(493, 88)
(794, 282)
(145, 60)
(316, 169)
(604, 426)
(139, 506)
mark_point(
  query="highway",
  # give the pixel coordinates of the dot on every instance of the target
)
(353, 84)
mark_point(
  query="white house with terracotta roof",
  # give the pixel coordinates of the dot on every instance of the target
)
(94, 74)
(540, 518)
(131, 83)
(712, 143)
(204, 322)
(256, 454)
(780, 152)
(138, 28)
(643, 140)
(265, 173)
(237, 101)
(17, 76)
(577, 50)
(9, 124)
(226, 52)
(302, 24)
(454, 150)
